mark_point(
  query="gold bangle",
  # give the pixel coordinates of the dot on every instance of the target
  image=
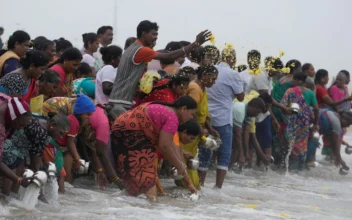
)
(100, 170)
(19, 180)
(115, 179)
(196, 43)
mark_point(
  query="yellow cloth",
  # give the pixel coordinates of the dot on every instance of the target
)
(247, 98)
(7, 55)
(36, 104)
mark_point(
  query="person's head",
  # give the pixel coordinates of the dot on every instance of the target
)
(147, 31)
(322, 77)
(185, 108)
(345, 118)
(166, 61)
(308, 69)
(17, 114)
(19, 43)
(255, 107)
(172, 46)
(242, 67)
(179, 83)
(207, 75)
(309, 84)
(35, 62)
(197, 54)
(38, 41)
(48, 83)
(212, 54)
(341, 80)
(61, 46)
(106, 35)
(294, 65)
(70, 59)
(228, 55)
(253, 59)
(83, 71)
(1, 31)
(58, 125)
(49, 48)
(268, 100)
(347, 74)
(111, 55)
(299, 79)
(83, 107)
(184, 43)
(188, 131)
(191, 72)
(129, 41)
(91, 42)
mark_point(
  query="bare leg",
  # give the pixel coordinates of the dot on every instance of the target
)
(220, 176)
(19, 171)
(68, 162)
(7, 185)
(202, 175)
(152, 194)
(61, 182)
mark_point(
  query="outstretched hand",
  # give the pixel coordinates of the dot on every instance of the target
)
(203, 37)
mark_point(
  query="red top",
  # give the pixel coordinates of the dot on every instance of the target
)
(320, 93)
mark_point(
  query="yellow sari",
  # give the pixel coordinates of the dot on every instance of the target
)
(202, 113)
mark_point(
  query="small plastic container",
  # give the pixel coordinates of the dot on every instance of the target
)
(295, 107)
(344, 170)
(175, 175)
(348, 150)
(40, 178)
(28, 173)
(51, 169)
(193, 164)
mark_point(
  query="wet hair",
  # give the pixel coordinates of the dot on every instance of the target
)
(320, 75)
(60, 120)
(62, 44)
(257, 103)
(19, 37)
(183, 101)
(294, 66)
(266, 98)
(109, 53)
(129, 41)
(89, 38)
(347, 74)
(191, 127)
(70, 54)
(189, 70)
(38, 41)
(173, 45)
(185, 43)
(34, 57)
(197, 54)
(253, 53)
(300, 76)
(50, 76)
(83, 70)
(103, 29)
(242, 67)
(206, 70)
(306, 66)
(146, 26)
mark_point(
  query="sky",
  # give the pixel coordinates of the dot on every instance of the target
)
(314, 31)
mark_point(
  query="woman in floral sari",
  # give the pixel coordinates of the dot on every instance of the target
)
(206, 76)
(298, 124)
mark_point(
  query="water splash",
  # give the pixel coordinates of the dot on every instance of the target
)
(30, 197)
(51, 191)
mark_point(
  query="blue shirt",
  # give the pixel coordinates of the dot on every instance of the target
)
(228, 84)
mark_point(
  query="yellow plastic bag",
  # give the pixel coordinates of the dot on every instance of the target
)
(36, 104)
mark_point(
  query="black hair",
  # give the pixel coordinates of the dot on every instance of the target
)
(253, 53)
(70, 54)
(206, 70)
(1, 29)
(346, 73)
(191, 127)
(62, 44)
(268, 60)
(320, 75)
(109, 53)
(166, 61)
(242, 67)
(83, 70)
(146, 26)
(17, 36)
(306, 66)
(129, 41)
(197, 54)
(38, 41)
(294, 66)
(50, 76)
(103, 29)
(173, 45)
(189, 70)
(89, 38)
(212, 49)
(183, 101)
(180, 77)
(266, 98)
(185, 43)
(346, 115)
(300, 76)
(277, 63)
(257, 103)
(253, 59)
(34, 57)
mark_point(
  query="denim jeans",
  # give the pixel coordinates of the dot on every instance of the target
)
(224, 152)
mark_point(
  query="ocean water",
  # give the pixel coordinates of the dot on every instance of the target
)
(320, 193)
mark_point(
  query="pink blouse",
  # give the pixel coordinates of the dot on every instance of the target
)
(163, 118)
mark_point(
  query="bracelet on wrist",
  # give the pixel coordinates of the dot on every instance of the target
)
(100, 170)
(196, 43)
(115, 179)
(19, 180)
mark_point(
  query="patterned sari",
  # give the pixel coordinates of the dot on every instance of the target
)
(134, 142)
(297, 131)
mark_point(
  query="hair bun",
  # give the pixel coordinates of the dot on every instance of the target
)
(84, 35)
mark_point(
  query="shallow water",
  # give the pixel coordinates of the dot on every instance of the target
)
(320, 193)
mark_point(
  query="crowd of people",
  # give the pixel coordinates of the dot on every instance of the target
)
(135, 113)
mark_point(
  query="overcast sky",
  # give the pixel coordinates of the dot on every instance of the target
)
(316, 31)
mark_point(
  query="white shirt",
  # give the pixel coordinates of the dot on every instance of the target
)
(105, 74)
(246, 77)
(186, 63)
(99, 59)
